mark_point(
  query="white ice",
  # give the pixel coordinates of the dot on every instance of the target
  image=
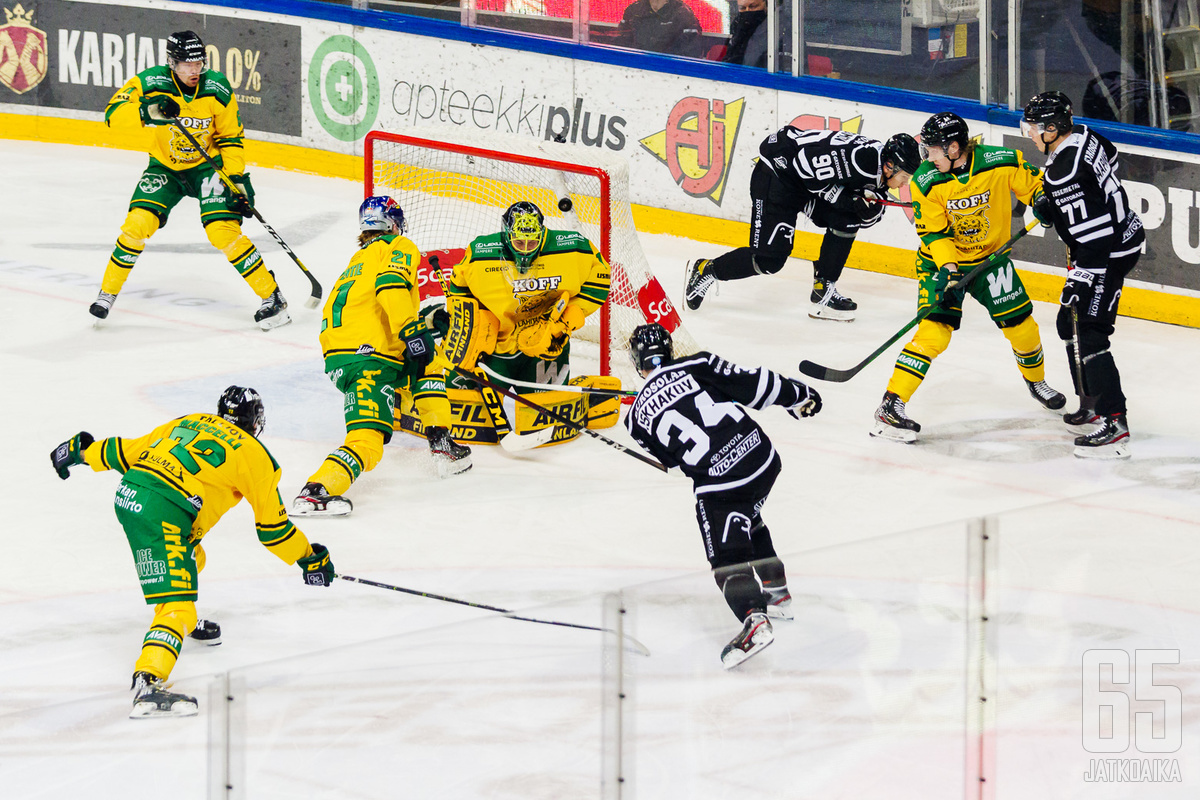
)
(357, 692)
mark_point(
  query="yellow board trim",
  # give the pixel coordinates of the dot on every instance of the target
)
(1149, 304)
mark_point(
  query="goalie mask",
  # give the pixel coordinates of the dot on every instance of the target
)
(243, 407)
(524, 233)
(649, 347)
(381, 213)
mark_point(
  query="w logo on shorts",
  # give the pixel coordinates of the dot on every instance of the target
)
(1000, 282)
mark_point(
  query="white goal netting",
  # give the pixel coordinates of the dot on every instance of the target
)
(455, 185)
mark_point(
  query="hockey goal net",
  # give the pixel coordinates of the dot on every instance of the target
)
(455, 185)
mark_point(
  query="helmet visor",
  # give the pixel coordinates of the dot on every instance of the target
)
(1029, 129)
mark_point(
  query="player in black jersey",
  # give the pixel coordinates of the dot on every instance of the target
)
(835, 179)
(689, 415)
(1104, 236)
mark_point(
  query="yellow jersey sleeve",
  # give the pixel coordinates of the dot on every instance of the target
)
(933, 226)
(1026, 180)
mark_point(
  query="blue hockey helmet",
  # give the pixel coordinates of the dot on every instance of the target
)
(381, 213)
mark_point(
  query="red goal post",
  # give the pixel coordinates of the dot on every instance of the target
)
(454, 185)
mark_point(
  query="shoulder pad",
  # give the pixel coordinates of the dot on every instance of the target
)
(217, 85)
(992, 156)
(928, 176)
(567, 241)
(487, 246)
(157, 79)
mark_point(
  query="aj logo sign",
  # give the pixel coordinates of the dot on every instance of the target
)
(697, 144)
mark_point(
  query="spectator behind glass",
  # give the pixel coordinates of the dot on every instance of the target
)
(748, 35)
(661, 26)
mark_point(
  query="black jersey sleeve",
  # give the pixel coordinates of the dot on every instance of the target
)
(752, 387)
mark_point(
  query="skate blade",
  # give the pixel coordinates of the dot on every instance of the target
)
(884, 431)
(520, 442)
(277, 321)
(449, 467)
(824, 312)
(780, 612)
(148, 709)
(333, 509)
(1108, 452)
(759, 642)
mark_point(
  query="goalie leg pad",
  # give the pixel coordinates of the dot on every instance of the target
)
(602, 412)
(473, 331)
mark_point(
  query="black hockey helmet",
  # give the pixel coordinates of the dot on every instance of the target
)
(649, 346)
(524, 233)
(1047, 108)
(184, 46)
(243, 407)
(903, 153)
(943, 128)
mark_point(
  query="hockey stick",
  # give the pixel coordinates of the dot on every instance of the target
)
(570, 423)
(632, 643)
(821, 373)
(556, 387)
(1085, 401)
(315, 298)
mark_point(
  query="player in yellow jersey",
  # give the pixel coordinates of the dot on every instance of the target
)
(518, 295)
(203, 102)
(375, 343)
(178, 481)
(962, 207)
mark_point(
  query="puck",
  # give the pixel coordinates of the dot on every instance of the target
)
(565, 205)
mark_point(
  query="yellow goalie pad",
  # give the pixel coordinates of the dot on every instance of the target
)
(473, 425)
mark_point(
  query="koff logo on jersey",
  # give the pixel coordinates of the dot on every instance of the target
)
(536, 284)
(974, 201)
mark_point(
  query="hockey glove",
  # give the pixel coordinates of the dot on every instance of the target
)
(242, 201)
(868, 210)
(809, 403)
(1079, 288)
(937, 291)
(70, 453)
(158, 109)
(418, 344)
(318, 569)
(1041, 209)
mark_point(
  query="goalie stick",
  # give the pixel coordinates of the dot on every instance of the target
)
(570, 423)
(632, 643)
(814, 370)
(315, 296)
(561, 387)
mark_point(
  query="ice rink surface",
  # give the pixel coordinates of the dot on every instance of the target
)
(357, 692)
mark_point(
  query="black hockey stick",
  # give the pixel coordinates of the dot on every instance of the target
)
(634, 644)
(317, 291)
(559, 387)
(821, 373)
(570, 423)
(1085, 401)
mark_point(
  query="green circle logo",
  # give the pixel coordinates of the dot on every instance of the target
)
(343, 88)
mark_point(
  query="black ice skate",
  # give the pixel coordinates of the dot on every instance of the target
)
(206, 632)
(1110, 440)
(755, 636)
(315, 501)
(151, 699)
(697, 281)
(1085, 417)
(449, 456)
(273, 312)
(104, 303)
(779, 602)
(1049, 398)
(829, 303)
(891, 421)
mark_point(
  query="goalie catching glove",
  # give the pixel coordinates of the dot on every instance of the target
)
(546, 336)
(317, 568)
(70, 453)
(473, 331)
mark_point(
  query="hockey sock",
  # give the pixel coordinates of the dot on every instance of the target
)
(733, 265)
(139, 226)
(341, 468)
(162, 643)
(914, 360)
(1027, 349)
(226, 236)
(835, 249)
(741, 589)
(429, 396)
(1101, 378)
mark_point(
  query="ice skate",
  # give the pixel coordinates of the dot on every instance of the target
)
(104, 303)
(891, 421)
(273, 312)
(206, 632)
(151, 699)
(449, 456)
(1109, 441)
(1049, 398)
(698, 280)
(315, 501)
(755, 636)
(829, 303)
(1083, 419)
(779, 603)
